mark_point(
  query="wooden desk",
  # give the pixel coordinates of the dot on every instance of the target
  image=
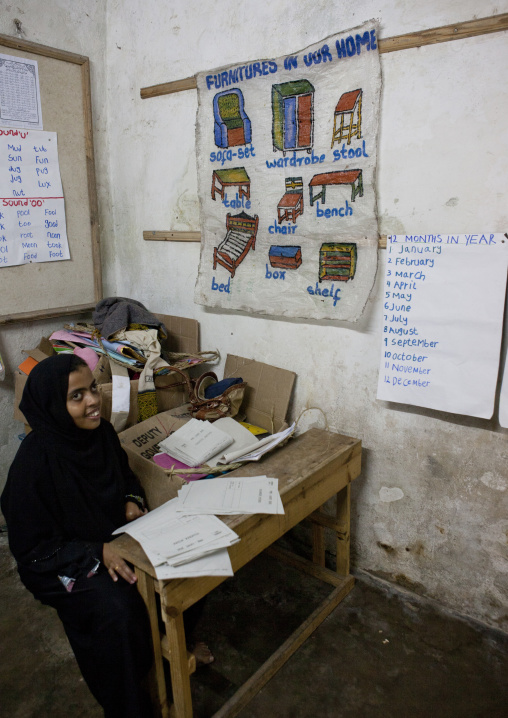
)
(311, 469)
(352, 177)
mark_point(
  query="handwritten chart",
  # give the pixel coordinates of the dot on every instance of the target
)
(32, 208)
(443, 309)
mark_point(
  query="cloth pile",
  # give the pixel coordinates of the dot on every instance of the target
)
(124, 342)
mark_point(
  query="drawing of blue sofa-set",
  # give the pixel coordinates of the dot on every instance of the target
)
(232, 126)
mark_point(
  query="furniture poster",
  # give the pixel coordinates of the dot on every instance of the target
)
(286, 152)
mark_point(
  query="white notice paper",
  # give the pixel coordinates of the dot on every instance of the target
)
(443, 311)
(32, 209)
(20, 97)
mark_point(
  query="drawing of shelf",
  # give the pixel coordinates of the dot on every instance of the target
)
(293, 116)
(337, 261)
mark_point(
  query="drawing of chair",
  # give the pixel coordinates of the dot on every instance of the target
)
(232, 126)
(348, 109)
(291, 204)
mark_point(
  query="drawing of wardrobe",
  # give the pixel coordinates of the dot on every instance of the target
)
(293, 116)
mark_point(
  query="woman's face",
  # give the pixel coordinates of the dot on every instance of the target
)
(83, 399)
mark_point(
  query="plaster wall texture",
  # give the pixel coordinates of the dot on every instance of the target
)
(430, 507)
(428, 510)
(79, 28)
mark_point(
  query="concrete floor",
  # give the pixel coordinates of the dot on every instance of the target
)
(381, 653)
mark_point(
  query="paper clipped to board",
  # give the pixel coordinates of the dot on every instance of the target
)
(33, 226)
(20, 94)
(443, 305)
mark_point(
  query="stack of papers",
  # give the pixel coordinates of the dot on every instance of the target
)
(255, 451)
(179, 546)
(238, 495)
(195, 442)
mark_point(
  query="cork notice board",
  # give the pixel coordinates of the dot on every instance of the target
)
(49, 289)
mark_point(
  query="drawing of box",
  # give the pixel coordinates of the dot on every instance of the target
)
(285, 257)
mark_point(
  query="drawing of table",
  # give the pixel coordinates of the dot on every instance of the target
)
(311, 469)
(234, 177)
(352, 177)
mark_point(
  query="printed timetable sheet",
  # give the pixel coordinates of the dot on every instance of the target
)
(443, 305)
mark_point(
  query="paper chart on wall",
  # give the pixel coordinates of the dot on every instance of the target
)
(32, 207)
(443, 307)
(20, 96)
(286, 154)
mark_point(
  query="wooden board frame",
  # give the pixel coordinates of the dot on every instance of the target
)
(446, 33)
(24, 46)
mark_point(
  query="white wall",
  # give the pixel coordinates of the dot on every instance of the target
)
(442, 163)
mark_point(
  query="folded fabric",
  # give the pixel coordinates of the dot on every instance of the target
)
(116, 313)
(88, 355)
(219, 387)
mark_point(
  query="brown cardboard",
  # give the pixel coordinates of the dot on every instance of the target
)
(267, 394)
(168, 396)
(141, 442)
(266, 404)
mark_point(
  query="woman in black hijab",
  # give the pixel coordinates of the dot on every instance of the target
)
(68, 489)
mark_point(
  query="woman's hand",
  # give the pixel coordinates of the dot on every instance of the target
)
(116, 565)
(132, 511)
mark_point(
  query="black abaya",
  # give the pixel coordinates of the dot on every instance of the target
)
(65, 495)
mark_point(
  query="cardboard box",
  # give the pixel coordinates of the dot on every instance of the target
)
(265, 404)
(183, 337)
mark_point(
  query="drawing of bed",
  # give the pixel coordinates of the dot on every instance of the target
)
(240, 238)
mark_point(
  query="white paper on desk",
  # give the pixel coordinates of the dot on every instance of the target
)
(243, 441)
(261, 448)
(166, 510)
(217, 563)
(196, 442)
(231, 495)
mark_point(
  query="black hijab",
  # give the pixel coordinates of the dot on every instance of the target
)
(82, 471)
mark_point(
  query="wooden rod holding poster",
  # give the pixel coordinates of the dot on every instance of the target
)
(35, 289)
(173, 236)
(446, 33)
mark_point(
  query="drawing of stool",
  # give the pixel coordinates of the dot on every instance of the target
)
(348, 108)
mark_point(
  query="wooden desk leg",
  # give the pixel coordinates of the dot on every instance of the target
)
(157, 682)
(178, 664)
(343, 533)
(318, 543)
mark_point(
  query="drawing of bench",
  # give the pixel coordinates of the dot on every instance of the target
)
(352, 177)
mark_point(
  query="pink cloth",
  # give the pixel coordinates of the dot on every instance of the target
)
(167, 462)
(87, 355)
